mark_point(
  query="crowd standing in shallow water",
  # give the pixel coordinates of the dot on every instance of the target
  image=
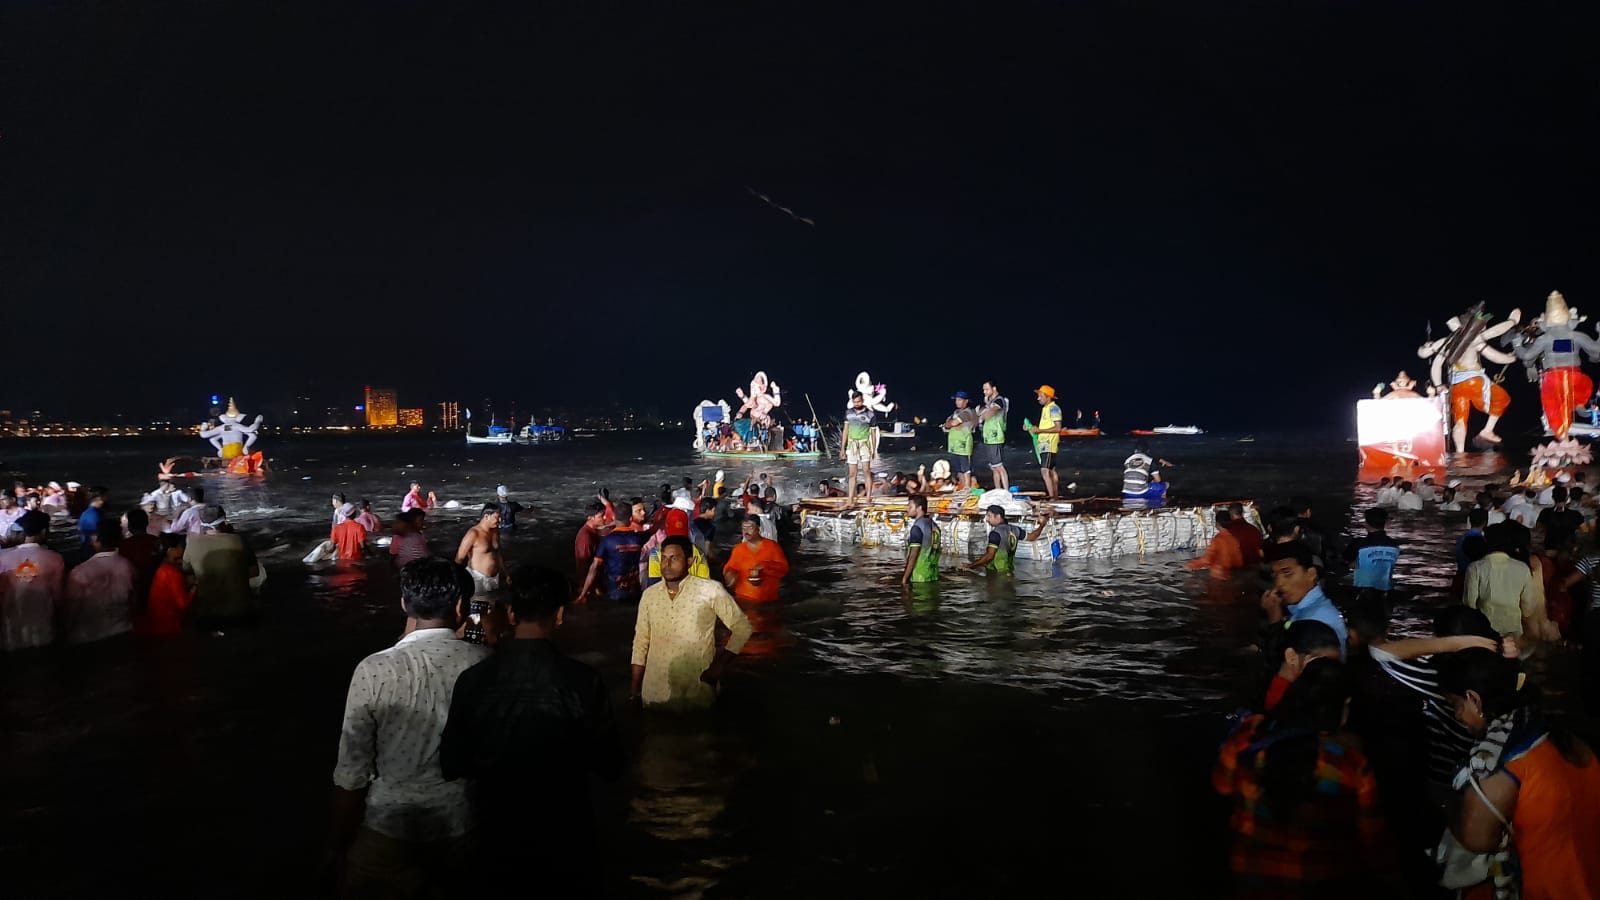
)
(1313, 788)
(1419, 767)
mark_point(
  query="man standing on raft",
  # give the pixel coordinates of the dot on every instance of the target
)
(1049, 433)
(993, 416)
(858, 451)
(959, 428)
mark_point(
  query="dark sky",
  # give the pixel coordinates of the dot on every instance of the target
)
(1236, 214)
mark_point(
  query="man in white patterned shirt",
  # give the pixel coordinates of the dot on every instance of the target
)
(399, 828)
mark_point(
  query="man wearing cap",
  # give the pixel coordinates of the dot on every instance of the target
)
(650, 561)
(993, 416)
(1049, 433)
(508, 508)
(1425, 489)
(959, 441)
(349, 536)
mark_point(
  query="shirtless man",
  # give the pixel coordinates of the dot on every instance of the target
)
(480, 552)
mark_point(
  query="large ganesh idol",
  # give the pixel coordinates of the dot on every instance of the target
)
(1459, 357)
(760, 402)
(1552, 359)
(877, 395)
(230, 435)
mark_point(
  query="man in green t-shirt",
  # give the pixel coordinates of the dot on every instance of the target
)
(1000, 555)
(922, 544)
(993, 417)
(958, 429)
(857, 449)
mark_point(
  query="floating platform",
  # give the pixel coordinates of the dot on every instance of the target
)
(760, 454)
(1086, 528)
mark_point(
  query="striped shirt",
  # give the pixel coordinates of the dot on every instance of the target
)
(1448, 742)
(1587, 566)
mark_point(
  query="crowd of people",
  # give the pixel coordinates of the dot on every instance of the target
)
(1417, 767)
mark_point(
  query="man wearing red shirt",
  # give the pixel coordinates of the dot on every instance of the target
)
(588, 540)
(1248, 535)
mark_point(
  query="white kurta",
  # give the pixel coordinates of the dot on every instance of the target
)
(675, 640)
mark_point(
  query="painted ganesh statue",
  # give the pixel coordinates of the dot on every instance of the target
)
(760, 402)
(1457, 366)
(876, 394)
(229, 434)
(1551, 357)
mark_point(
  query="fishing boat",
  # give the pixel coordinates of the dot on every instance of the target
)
(1079, 430)
(1086, 528)
(897, 431)
(498, 434)
(541, 434)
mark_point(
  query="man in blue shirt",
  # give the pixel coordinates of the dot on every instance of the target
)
(616, 561)
(1477, 520)
(1375, 554)
(89, 520)
(1295, 595)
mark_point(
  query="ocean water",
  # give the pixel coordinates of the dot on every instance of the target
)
(991, 735)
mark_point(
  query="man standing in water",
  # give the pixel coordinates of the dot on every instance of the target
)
(993, 415)
(676, 663)
(480, 552)
(858, 451)
(529, 708)
(922, 543)
(1049, 433)
(399, 828)
(756, 564)
(999, 557)
(959, 441)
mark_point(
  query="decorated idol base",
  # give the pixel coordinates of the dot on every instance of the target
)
(1401, 437)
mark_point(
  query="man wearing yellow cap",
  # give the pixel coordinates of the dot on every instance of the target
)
(1049, 432)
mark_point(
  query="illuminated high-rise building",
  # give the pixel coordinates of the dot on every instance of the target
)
(450, 415)
(382, 410)
(410, 418)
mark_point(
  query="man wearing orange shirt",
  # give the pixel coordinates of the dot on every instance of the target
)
(348, 535)
(1224, 555)
(756, 565)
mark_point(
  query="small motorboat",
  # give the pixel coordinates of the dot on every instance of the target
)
(498, 434)
(896, 430)
(1177, 429)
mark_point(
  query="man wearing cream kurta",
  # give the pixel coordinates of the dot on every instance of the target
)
(676, 663)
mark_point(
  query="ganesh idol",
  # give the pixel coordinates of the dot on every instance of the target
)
(1459, 356)
(229, 434)
(760, 402)
(1552, 359)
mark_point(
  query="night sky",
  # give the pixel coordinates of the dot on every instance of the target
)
(1232, 214)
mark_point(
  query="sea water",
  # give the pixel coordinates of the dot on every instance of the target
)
(1052, 729)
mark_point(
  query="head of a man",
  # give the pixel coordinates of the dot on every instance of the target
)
(990, 391)
(995, 516)
(675, 554)
(750, 529)
(639, 511)
(917, 506)
(537, 599)
(135, 521)
(1295, 571)
(213, 517)
(491, 515)
(1377, 517)
(595, 515)
(430, 591)
(108, 536)
(961, 399)
(1304, 641)
(858, 400)
(7, 500)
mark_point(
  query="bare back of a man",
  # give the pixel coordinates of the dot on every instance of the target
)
(480, 551)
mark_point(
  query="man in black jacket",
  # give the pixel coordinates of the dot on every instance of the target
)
(518, 722)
